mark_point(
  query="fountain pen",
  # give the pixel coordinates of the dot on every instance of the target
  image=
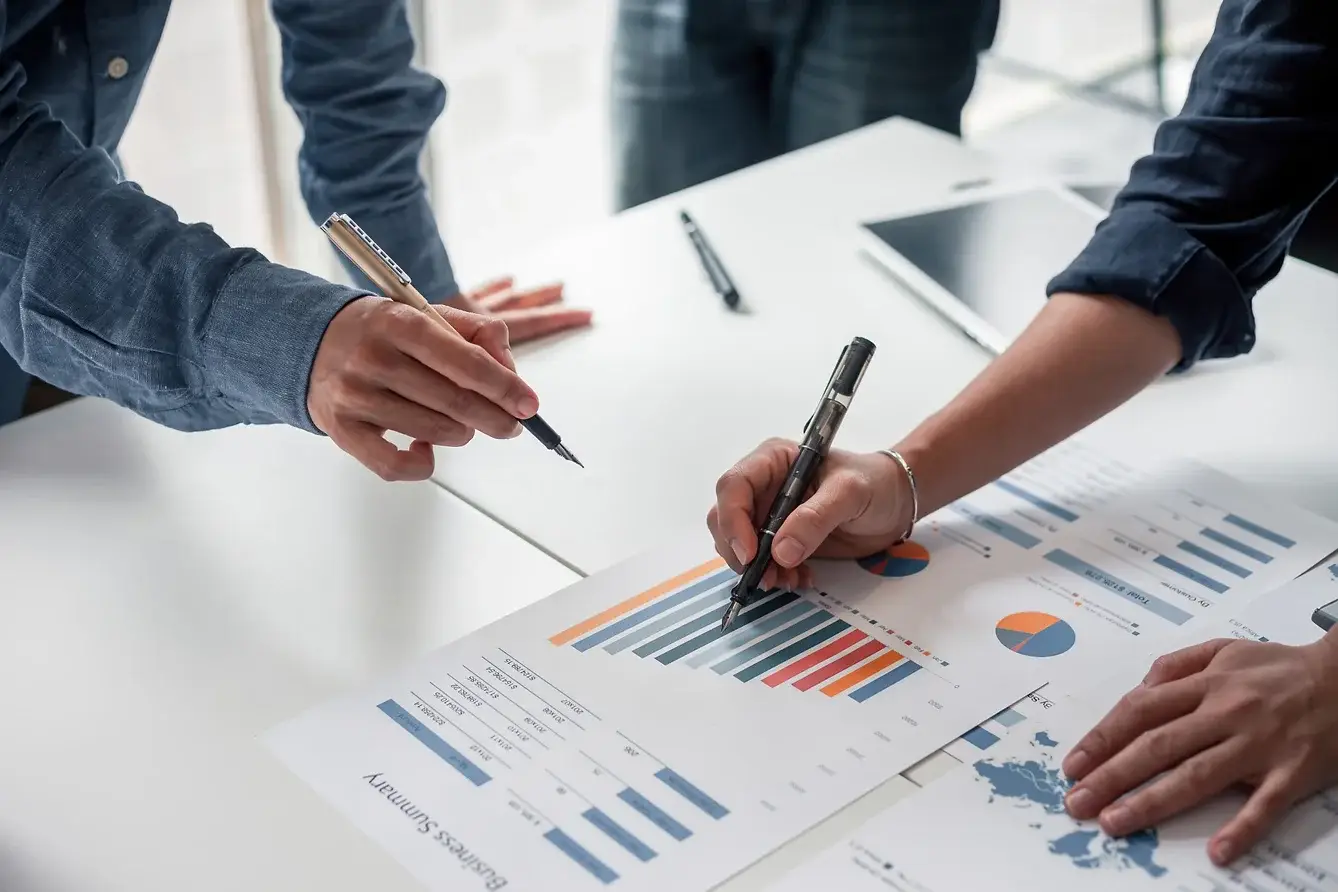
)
(819, 433)
(395, 284)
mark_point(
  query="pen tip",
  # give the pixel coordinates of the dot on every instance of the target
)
(567, 454)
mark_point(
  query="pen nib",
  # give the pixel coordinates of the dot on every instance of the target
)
(567, 454)
(728, 619)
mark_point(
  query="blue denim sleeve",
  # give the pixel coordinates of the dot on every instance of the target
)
(110, 295)
(1207, 218)
(366, 111)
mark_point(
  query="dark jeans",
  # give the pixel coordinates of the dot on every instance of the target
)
(702, 88)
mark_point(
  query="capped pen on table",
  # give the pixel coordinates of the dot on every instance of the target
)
(710, 261)
(395, 284)
(819, 433)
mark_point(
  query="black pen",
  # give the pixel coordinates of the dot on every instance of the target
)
(819, 433)
(715, 270)
(395, 284)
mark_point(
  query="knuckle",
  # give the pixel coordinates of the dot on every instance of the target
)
(727, 481)
(495, 329)
(1160, 744)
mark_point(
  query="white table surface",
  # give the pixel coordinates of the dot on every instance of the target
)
(668, 389)
(168, 597)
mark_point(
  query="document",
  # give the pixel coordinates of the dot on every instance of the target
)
(1006, 808)
(611, 735)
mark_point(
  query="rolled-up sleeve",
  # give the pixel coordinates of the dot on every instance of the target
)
(366, 112)
(1206, 219)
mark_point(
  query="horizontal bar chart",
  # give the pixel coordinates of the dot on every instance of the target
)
(578, 853)
(448, 754)
(619, 834)
(1044, 504)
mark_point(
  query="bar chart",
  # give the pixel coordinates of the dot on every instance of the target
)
(781, 639)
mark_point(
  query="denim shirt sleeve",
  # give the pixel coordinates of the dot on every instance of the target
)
(110, 295)
(1207, 218)
(365, 111)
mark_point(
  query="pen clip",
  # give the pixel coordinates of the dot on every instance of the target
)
(346, 221)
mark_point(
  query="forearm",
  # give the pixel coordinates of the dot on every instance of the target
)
(1080, 358)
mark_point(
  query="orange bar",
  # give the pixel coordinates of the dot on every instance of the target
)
(634, 602)
(868, 670)
(821, 655)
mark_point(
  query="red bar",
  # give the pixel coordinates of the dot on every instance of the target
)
(785, 673)
(836, 667)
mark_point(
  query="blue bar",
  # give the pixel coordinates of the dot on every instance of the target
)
(619, 834)
(653, 813)
(736, 638)
(1044, 504)
(786, 654)
(1010, 717)
(1204, 554)
(749, 616)
(1276, 538)
(679, 784)
(576, 852)
(1189, 573)
(904, 669)
(654, 627)
(709, 619)
(449, 754)
(980, 738)
(996, 526)
(654, 609)
(1236, 545)
(1119, 587)
(785, 635)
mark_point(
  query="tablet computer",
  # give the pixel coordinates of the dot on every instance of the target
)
(983, 261)
(1326, 617)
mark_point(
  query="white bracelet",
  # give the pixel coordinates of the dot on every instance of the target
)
(915, 490)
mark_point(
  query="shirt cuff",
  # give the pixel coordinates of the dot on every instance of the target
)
(261, 340)
(1144, 258)
(409, 235)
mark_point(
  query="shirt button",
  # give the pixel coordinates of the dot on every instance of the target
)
(118, 68)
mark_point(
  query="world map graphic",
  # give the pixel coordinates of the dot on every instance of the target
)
(1037, 783)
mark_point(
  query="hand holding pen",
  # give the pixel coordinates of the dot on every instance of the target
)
(434, 374)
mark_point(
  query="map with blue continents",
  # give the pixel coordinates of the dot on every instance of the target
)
(1037, 783)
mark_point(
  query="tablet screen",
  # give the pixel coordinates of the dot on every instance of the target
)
(996, 255)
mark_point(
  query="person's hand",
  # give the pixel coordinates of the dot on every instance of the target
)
(1207, 718)
(384, 367)
(860, 504)
(529, 314)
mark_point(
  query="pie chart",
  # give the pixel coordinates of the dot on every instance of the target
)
(905, 559)
(1035, 634)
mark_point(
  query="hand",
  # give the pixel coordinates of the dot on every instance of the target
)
(528, 314)
(1212, 716)
(860, 504)
(384, 366)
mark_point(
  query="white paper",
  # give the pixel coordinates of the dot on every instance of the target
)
(1006, 809)
(579, 743)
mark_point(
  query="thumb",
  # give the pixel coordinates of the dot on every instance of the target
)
(839, 500)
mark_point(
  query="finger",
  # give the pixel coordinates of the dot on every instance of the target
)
(737, 491)
(1159, 749)
(526, 325)
(1140, 710)
(419, 385)
(1270, 801)
(490, 334)
(722, 546)
(390, 411)
(366, 443)
(499, 285)
(1199, 777)
(1184, 662)
(462, 361)
(542, 296)
(839, 499)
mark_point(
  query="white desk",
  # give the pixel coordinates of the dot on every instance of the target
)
(668, 389)
(168, 597)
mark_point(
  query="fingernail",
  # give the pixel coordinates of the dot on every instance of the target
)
(1115, 820)
(1079, 802)
(528, 406)
(787, 552)
(735, 547)
(1076, 763)
(1223, 852)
